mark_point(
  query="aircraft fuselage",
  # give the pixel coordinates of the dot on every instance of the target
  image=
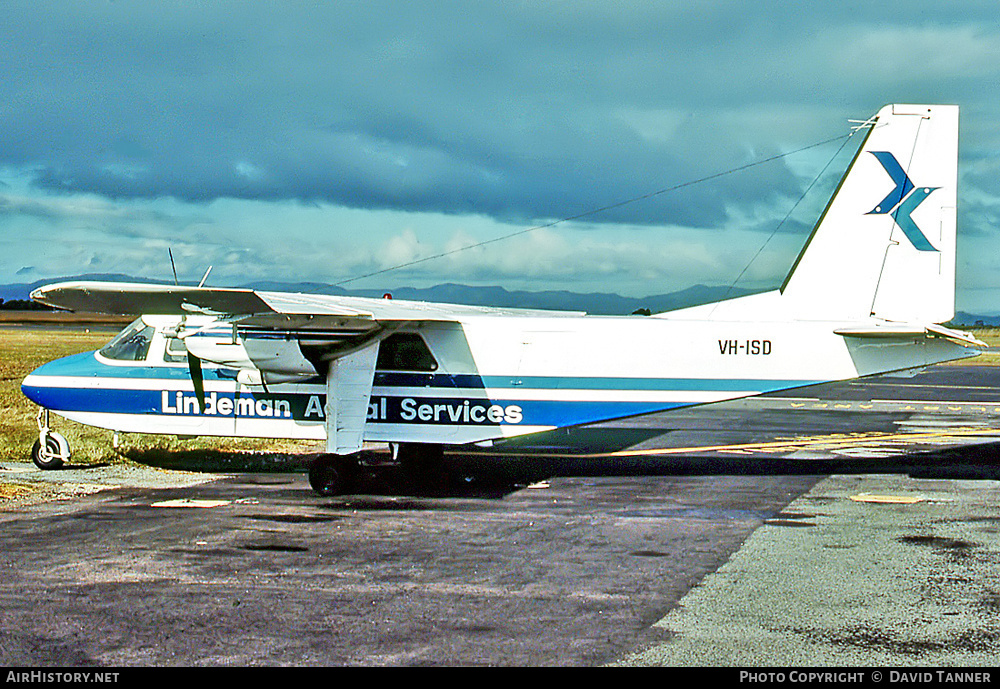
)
(484, 379)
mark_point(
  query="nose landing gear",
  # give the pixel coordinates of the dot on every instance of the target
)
(51, 450)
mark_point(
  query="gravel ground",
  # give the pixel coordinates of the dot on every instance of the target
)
(873, 571)
(22, 483)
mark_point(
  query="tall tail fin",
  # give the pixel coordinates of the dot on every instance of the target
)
(885, 245)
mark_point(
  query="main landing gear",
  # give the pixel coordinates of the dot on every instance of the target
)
(333, 474)
(51, 450)
(422, 465)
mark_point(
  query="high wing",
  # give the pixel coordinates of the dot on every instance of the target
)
(342, 323)
(251, 306)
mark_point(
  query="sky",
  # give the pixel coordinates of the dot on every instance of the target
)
(352, 142)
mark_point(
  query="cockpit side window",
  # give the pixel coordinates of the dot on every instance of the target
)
(405, 352)
(131, 344)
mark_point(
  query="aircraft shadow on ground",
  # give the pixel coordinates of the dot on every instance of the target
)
(494, 475)
(981, 461)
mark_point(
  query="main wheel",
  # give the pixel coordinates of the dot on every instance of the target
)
(424, 466)
(52, 456)
(332, 474)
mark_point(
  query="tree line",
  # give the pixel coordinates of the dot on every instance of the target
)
(22, 305)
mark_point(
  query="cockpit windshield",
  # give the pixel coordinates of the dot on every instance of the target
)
(131, 344)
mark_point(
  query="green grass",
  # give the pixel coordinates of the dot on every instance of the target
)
(24, 349)
(990, 336)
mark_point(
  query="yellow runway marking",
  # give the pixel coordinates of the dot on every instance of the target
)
(887, 499)
(187, 502)
(830, 442)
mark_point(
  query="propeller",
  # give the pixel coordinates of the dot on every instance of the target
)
(194, 366)
(194, 363)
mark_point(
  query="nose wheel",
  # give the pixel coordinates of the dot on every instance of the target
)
(51, 450)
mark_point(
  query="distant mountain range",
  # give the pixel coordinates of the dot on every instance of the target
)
(599, 303)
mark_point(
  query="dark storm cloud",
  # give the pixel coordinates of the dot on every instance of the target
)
(506, 110)
(522, 112)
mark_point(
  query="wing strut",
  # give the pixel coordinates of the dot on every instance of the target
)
(348, 392)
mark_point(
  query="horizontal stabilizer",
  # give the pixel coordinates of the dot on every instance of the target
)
(913, 330)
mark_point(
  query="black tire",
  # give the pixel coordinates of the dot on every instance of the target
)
(332, 474)
(53, 461)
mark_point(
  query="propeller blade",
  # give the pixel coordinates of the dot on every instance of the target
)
(194, 365)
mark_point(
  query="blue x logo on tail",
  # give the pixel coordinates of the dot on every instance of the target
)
(901, 202)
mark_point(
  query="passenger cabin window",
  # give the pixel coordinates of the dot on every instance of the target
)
(131, 344)
(405, 352)
(175, 351)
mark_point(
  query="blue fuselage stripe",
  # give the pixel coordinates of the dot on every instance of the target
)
(89, 385)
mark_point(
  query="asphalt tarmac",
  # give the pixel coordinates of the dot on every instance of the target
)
(843, 525)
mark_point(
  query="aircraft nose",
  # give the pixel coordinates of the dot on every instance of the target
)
(36, 384)
(46, 386)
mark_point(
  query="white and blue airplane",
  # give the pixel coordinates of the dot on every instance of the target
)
(867, 295)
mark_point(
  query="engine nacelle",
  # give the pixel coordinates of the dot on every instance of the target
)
(257, 359)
